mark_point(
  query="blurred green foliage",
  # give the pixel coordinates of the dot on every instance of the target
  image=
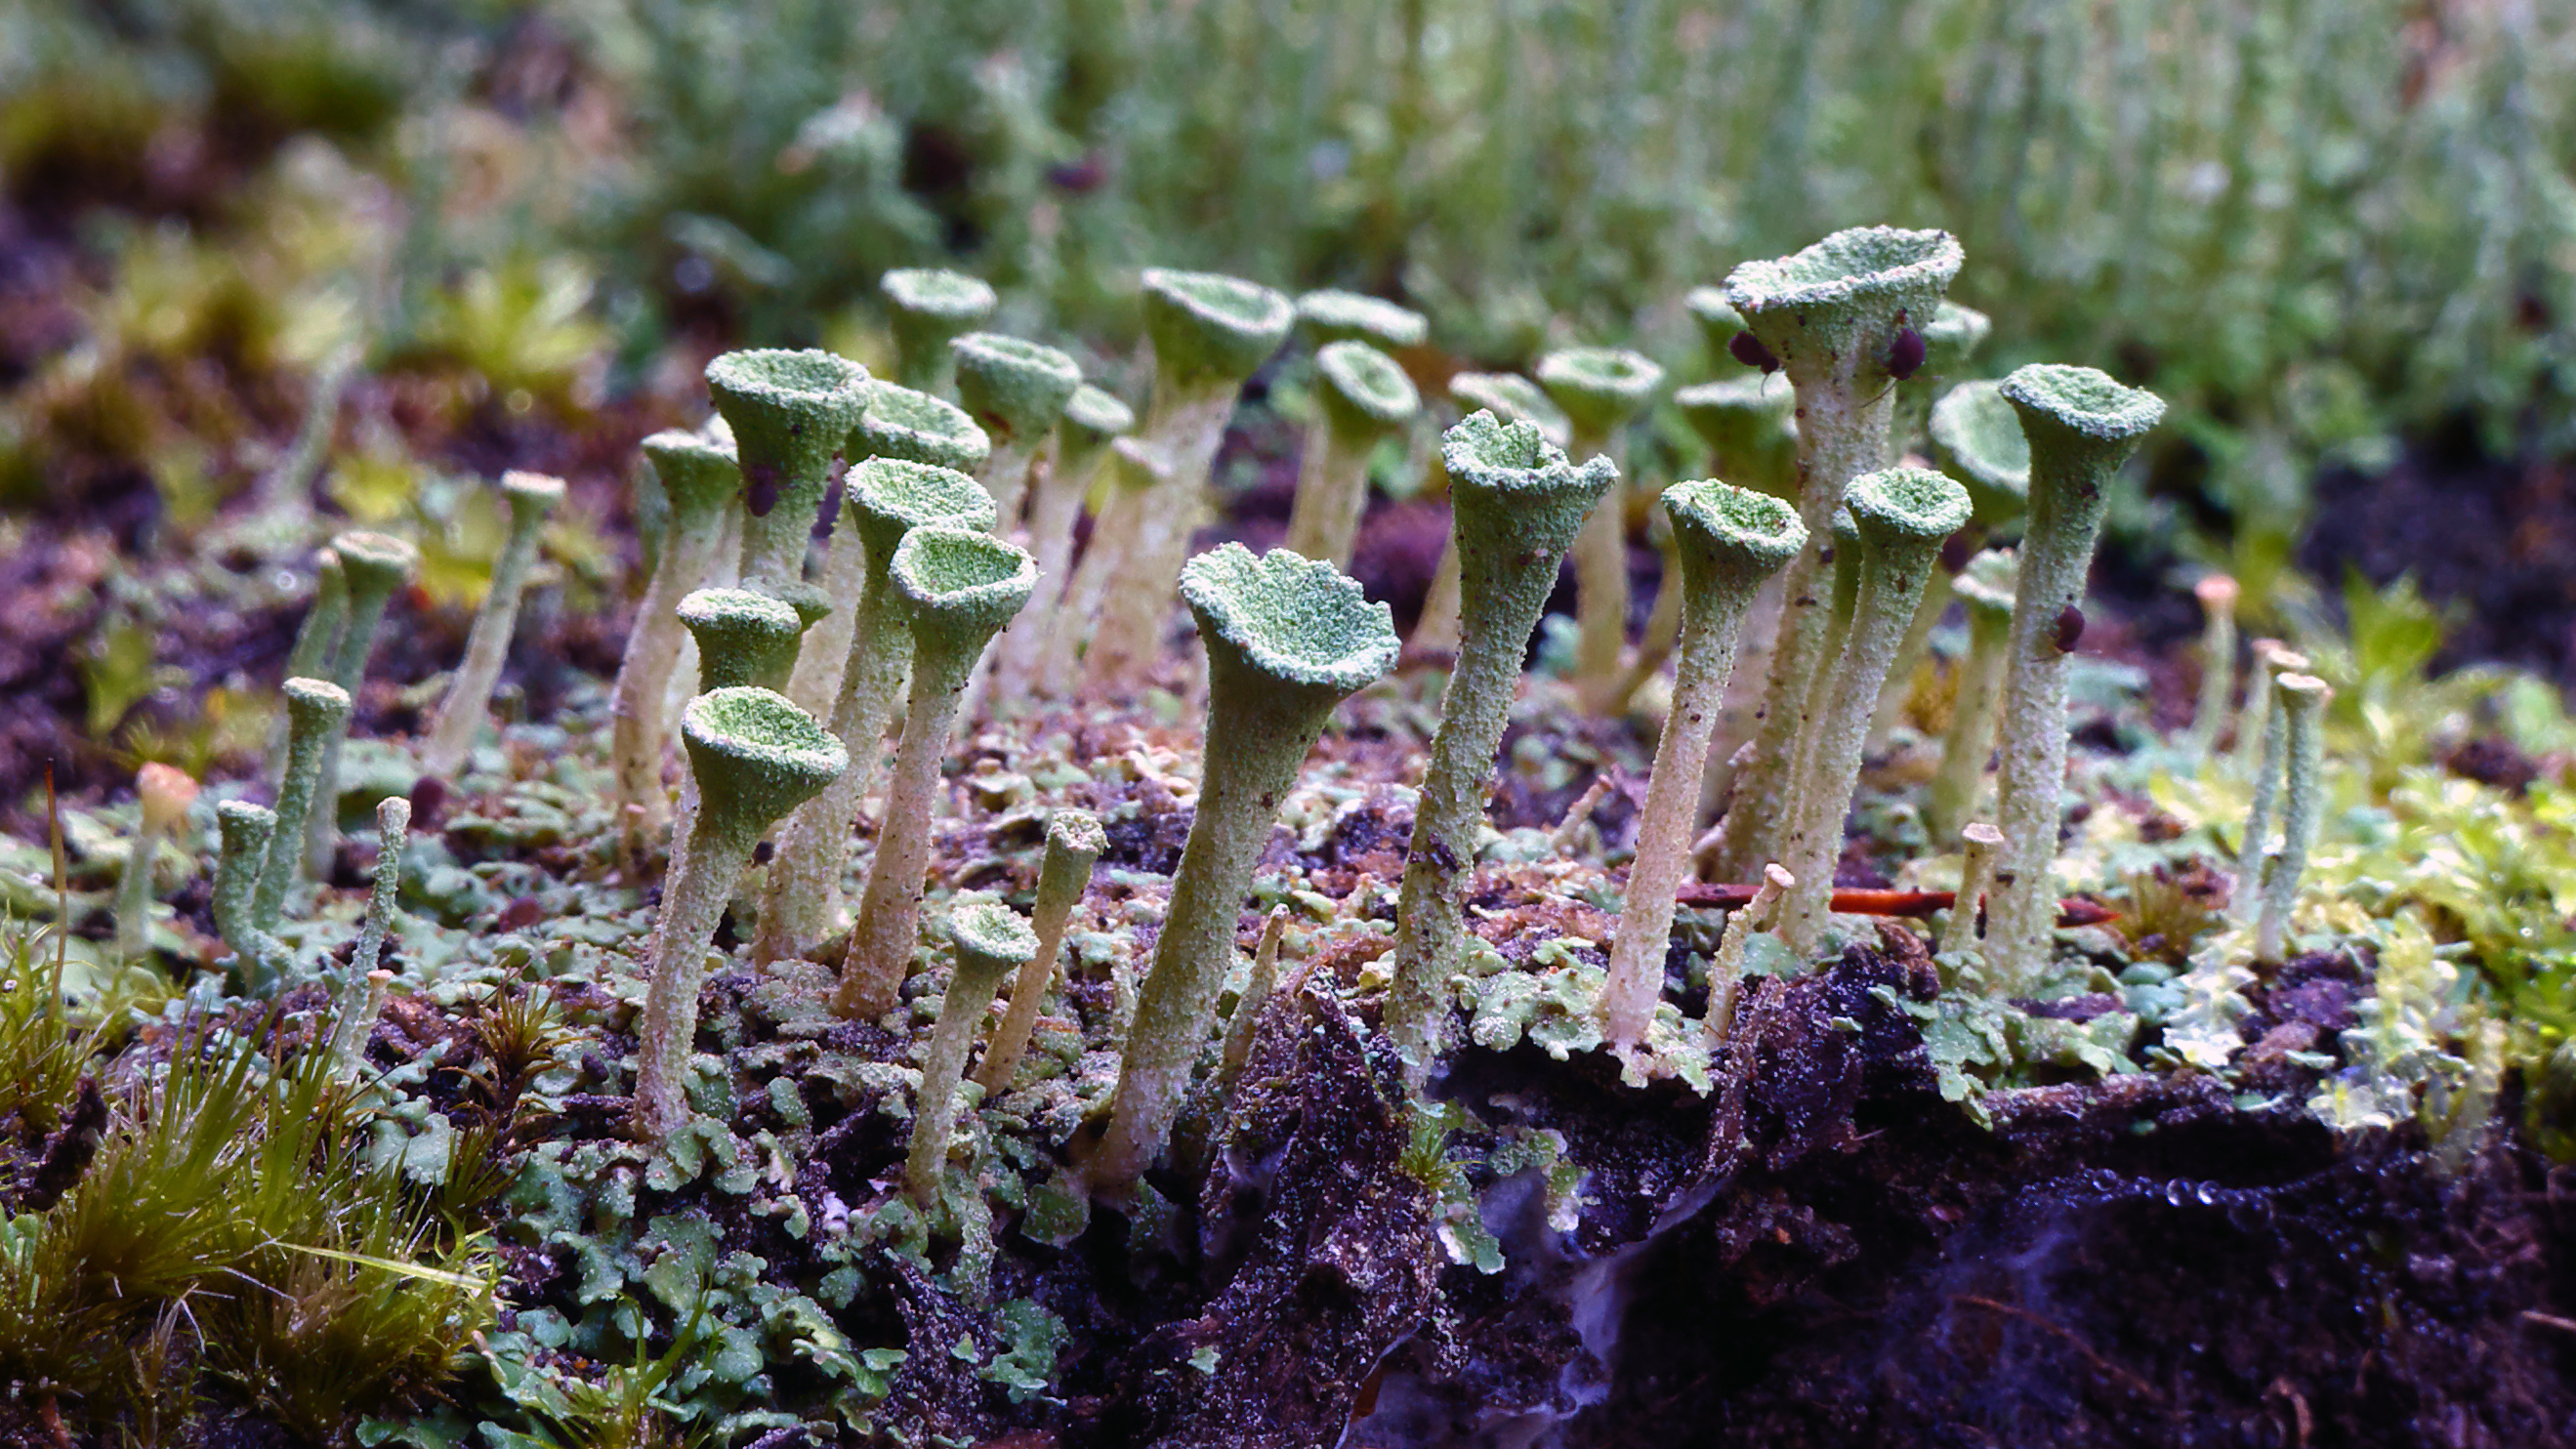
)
(2314, 228)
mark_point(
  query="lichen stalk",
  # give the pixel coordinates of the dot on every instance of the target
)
(1365, 398)
(991, 941)
(2272, 659)
(1726, 968)
(1287, 639)
(927, 307)
(1600, 389)
(361, 996)
(1516, 504)
(701, 480)
(1074, 843)
(316, 712)
(2217, 596)
(1903, 516)
(531, 497)
(789, 411)
(1986, 588)
(1828, 317)
(376, 566)
(904, 426)
(1016, 390)
(1731, 539)
(957, 587)
(1512, 398)
(1979, 845)
(2302, 703)
(756, 757)
(885, 499)
(248, 832)
(1092, 423)
(162, 795)
(1210, 333)
(1258, 986)
(2082, 426)
(1136, 474)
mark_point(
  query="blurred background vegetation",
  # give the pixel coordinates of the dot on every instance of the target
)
(2329, 233)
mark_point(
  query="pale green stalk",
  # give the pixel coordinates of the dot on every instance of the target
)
(1829, 314)
(907, 427)
(884, 500)
(957, 588)
(1726, 968)
(1136, 476)
(531, 497)
(1600, 389)
(926, 308)
(1513, 399)
(1210, 333)
(1979, 843)
(1731, 539)
(162, 796)
(2082, 426)
(1074, 842)
(1287, 641)
(316, 713)
(1903, 515)
(376, 566)
(991, 942)
(1515, 506)
(2272, 659)
(1016, 390)
(1257, 989)
(2302, 703)
(1986, 587)
(361, 996)
(1092, 422)
(701, 480)
(1365, 398)
(2217, 596)
(248, 832)
(315, 639)
(756, 757)
(789, 412)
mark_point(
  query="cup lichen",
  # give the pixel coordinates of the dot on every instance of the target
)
(789, 412)
(1366, 399)
(1516, 505)
(1074, 843)
(925, 307)
(701, 481)
(955, 588)
(1287, 640)
(2082, 426)
(1016, 390)
(1600, 390)
(531, 496)
(990, 941)
(1730, 540)
(755, 757)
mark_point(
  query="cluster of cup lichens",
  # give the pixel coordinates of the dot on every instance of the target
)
(948, 586)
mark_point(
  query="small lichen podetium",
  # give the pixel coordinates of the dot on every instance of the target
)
(1516, 504)
(904, 426)
(2217, 596)
(755, 757)
(1985, 586)
(1826, 316)
(1016, 390)
(1511, 398)
(317, 712)
(376, 566)
(1366, 399)
(2303, 700)
(789, 411)
(247, 831)
(1210, 333)
(1730, 540)
(926, 307)
(957, 588)
(1092, 422)
(1600, 389)
(991, 941)
(1287, 640)
(461, 715)
(162, 795)
(1074, 842)
(883, 500)
(2082, 426)
(701, 481)
(1331, 315)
